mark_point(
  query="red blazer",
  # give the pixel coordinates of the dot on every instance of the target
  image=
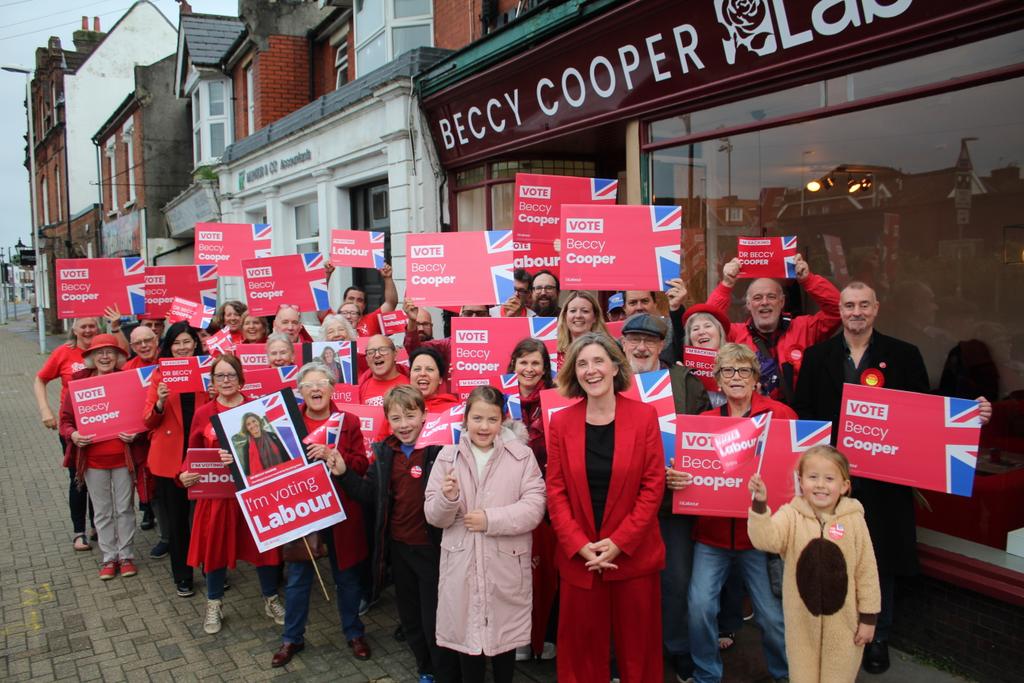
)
(167, 438)
(634, 493)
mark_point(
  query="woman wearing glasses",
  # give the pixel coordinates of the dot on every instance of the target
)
(722, 542)
(346, 541)
(169, 417)
(219, 533)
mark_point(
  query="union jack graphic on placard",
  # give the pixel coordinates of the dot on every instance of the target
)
(261, 232)
(288, 373)
(543, 329)
(135, 266)
(762, 422)
(313, 262)
(804, 434)
(503, 281)
(377, 247)
(207, 274)
(961, 462)
(276, 412)
(146, 374)
(665, 218)
(514, 406)
(602, 189)
(962, 413)
(789, 255)
(499, 241)
(655, 388)
(203, 320)
(668, 258)
(510, 384)
(328, 433)
(220, 342)
(347, 359)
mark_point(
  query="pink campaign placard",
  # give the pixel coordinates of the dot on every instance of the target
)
(186, 375)
(539, 199)
(252, 357)
(536, 256)
(718, 493)
(215, 480)
(902, 437)
(702, 364)
(481, 347)
(193, 312)
(357, 249)
(459, 268)
(620, 247)
(371, 421)
(87, 286)
(295, 279)
(226, 245)
(767, 256)
(107, 405)
(166, 283)
(263, 381)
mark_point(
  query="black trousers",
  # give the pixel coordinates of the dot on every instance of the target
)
(503, 667)
(415, 569)
(78, 500)
(179, 526)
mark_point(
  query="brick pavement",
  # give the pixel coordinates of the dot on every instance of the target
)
(60, 622)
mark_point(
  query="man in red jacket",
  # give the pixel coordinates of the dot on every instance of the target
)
(779, 342)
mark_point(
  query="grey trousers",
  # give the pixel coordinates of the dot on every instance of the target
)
(112, 493)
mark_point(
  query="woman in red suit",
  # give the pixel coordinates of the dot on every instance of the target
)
(606, 477)
(220, 536)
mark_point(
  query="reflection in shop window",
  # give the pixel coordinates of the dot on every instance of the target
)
(914, 199)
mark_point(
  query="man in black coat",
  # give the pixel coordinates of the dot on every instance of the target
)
(861, 355)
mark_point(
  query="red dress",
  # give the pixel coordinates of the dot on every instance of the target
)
(220, 536)
(349, 536)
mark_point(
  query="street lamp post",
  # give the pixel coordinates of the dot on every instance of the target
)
(40, 286)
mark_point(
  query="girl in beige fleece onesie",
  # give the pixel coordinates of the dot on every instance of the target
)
(830, 593)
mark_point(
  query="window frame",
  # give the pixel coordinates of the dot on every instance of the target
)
(387, 29)
(129, 168)
(203, 121)
(111, 151)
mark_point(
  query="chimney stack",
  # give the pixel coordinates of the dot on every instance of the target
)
(85, 40)
(96, 24)
(184, 7)
(85, 23)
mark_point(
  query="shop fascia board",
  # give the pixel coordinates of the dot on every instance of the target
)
(508, 41)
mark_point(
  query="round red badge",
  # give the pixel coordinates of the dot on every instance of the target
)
(796, 354)
(872, 378)
(836, 531)
(416, 472)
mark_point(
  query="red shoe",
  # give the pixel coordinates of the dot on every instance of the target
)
(360, 648)
(108, 570)
(128, 568)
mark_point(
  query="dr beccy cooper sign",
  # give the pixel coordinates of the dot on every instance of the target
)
(655, 53)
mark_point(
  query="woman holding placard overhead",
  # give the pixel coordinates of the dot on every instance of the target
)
(606, 477)
(220, 536)
(169, 416)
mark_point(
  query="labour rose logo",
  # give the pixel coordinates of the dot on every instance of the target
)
(749, 24)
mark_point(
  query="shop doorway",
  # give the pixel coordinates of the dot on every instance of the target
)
(371, 211)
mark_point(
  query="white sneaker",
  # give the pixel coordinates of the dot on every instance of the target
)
(274, 609)
(213, 617)
(523, 653)
(549, 652)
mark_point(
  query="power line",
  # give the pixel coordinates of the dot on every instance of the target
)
(11, 4)
(50, 16)
(62, 25)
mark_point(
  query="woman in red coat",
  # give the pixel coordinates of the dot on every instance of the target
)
(220, 536)
(169, 417)
(606, 477)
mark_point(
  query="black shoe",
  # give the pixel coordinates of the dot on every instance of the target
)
(876, 657)
(159, 551)
(399, 634)
(148, 522)
(184, 589)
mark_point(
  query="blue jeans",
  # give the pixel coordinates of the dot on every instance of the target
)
(301, 576)
(711, 567)
(675, 585)
(215, 582)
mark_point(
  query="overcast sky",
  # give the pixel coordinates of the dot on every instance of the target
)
(24, 26)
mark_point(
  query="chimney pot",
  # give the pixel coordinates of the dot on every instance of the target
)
(85, 23)
(96, 24)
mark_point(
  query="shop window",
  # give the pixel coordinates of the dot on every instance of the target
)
(484, 195)
(914, 198)
(371, 211)
(307, 228)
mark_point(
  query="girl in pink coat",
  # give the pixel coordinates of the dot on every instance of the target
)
(487, 494)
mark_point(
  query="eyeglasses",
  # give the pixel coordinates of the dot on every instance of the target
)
(315, 384)
(380, 351)
(642, 339)
(744, 373)
(544, 288)
(522, 290)
(226, 377)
